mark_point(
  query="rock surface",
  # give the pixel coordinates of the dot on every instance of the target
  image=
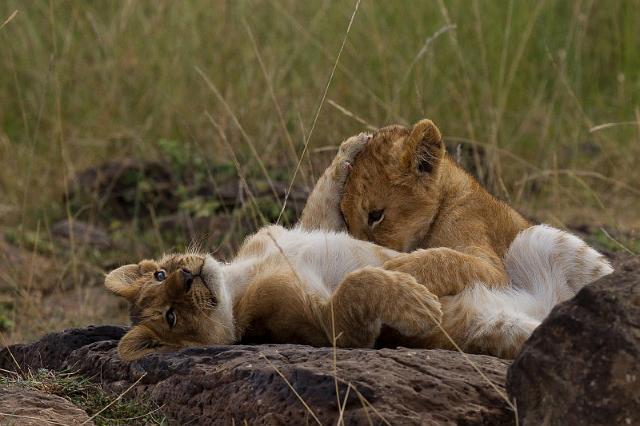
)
(28, 407)
(117, 187)
(21, 265)
(225, 384)
(53, 350)
(581, 365)
(81, 233)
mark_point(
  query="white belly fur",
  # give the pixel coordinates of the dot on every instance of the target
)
(322, 259)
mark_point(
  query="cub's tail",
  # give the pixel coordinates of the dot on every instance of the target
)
(552, 266)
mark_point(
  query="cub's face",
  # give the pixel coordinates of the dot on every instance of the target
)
(392, 192)
(175, 302)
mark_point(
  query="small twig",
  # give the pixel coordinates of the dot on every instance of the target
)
(342, 406)
(366, 403)
(625, 248)
(118, 398)
(351, 114)
(9, 19)
(10, 372)
(609, 125)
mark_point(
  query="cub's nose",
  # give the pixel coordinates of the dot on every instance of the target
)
(187, 278)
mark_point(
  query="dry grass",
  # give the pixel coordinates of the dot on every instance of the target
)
(541, 103)
(103, 408)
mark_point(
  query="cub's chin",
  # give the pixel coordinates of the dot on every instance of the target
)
(212, 274)
(214, 279)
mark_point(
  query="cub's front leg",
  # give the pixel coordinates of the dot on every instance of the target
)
(445, 271)
(371, 297)
(322, 210)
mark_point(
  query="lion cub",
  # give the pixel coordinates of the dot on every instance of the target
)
(316, 285)
(495, 273)
(295, 286)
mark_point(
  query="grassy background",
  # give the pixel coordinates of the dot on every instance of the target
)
(541, 100)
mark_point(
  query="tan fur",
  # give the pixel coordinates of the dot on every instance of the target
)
(270, 300)
(456, 232)
(322, 210)
(458, 321)
(462, 230)
(275, 307)
(150, 300)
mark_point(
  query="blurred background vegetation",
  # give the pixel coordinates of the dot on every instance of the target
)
(131, 128)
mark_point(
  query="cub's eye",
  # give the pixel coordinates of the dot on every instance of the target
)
(375, 216)
(171, 318)
(160, 275)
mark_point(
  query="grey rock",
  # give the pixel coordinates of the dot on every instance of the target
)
(82, 233)
(580, 367)
(52, 350)
(225, 384)
(30, 407)
(20, 268)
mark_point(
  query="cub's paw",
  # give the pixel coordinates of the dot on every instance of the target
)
(347, 153)
(353, 146)
(417, 310)
(409, 263)
(514, 339)
(501, 335)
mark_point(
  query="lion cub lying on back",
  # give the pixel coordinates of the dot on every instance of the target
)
(293, 286)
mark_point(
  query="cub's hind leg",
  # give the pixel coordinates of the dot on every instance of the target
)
(487, 321)
(371, 297)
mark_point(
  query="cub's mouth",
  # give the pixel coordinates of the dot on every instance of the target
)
(203, 297)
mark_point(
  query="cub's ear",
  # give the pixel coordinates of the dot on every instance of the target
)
(122, 281)
(138, 342)
(423, 148)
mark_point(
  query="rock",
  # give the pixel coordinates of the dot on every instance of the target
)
(83, 233)
(29, 407)
(581, 365)
(229, 192)
(21, 268)
(110, 178)
(124, 188)
(121, 188)
(253, 383)
(52, 350)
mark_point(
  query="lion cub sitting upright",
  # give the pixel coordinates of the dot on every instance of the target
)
(406, 193)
